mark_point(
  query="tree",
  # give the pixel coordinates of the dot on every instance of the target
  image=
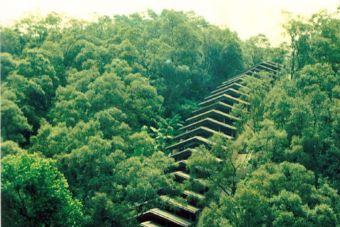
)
(10, 148)
(14, 123)
(277, 195)
(35, 193)
(314, 40)
(8, 64)
(11, 41)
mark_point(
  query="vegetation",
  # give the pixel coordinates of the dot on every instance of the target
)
(87, 109)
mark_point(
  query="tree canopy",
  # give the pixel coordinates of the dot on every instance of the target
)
(89, 107)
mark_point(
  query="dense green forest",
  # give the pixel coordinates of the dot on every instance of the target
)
(88, 107)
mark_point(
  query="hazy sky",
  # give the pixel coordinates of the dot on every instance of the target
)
(246, 17)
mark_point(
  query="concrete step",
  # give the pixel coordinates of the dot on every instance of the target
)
(193, 198)
(190, 143)
(182, 155)
(199, 185)
(214, 114)
(229, 91)
(201, 131)
(228, 99)
(150, 224)
(181, 208)
(164, 218)
(211, 123)
(235, 85)
(221, 106)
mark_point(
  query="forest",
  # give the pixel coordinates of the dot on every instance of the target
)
(89, 107)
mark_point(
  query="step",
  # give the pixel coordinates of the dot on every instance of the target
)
(229, 91)
(214, 114)
(201, 131)
(221, 106)
(180, 208)
(182, 165)
(213, 124)
(232, 84)
(181, 155)
(181, 176)
(235, 85)
(272, 65)
(254, 69)
(190, 143)
(233, 79)
(265, 68)
(194, 198)
(228, 99)
(150, 224)
(199, 184)
(179, 166)
(164, 218)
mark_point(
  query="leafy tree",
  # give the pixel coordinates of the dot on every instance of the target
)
(221, 165)
(8, 64)
(276, 195)
(35, 193)
(14, 123)
(293, 122)
(10, 148)
(11, 42)
(314, 40)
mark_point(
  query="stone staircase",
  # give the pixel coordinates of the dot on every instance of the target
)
(213, 116)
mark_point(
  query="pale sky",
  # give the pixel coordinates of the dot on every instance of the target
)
(246, 17)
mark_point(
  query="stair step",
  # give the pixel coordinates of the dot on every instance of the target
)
(150, 224)
(215, 114)
(230, 91)
(180, 175)
(213, 124)
(164, 218)
(221, 106)
(182, 164)
(272, 65)
(197, 184)
(179, 166)
(195, 195)
(236, 85)
(181, 155)
(265, 68)
(224, 98)
(201, 131)
(233, 80)
(181, 208)
(190, 143)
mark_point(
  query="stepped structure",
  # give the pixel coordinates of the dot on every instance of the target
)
(213, 116)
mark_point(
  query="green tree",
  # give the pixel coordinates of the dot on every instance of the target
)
(10, 148)
(277, 195)
(14, 123)
(314, 40)
(8, 64)
(35, 193)
(222, 165)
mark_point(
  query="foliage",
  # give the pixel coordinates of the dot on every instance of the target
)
(314, 40)
(276, 195)
(35, 193)
(221, 165)
(96, 103)
(291, 132)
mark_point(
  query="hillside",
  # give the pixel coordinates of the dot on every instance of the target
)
(94, 115)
